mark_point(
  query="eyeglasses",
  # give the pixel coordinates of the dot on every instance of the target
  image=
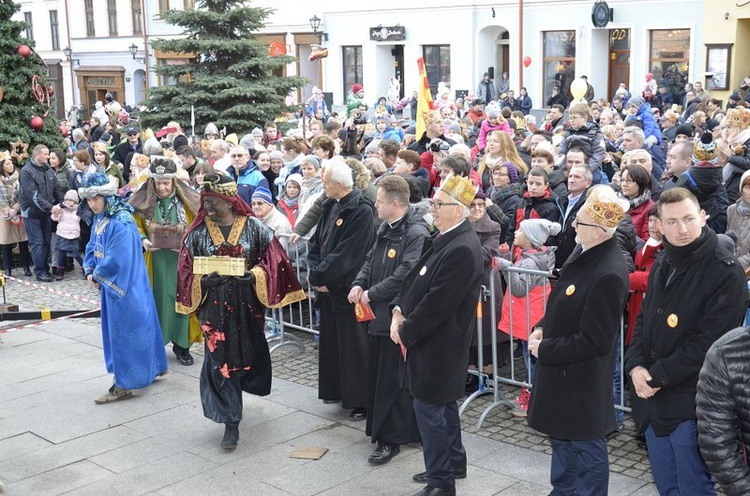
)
(499, 173)
(628, 181)
(579, 223)
(257, 203)
(437, 204)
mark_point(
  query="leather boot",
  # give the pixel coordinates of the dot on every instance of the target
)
(59, 273)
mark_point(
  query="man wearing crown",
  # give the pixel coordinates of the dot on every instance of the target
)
(734, 149)
(575, 346)
(230, 309)
(696, 293)
(432, 322)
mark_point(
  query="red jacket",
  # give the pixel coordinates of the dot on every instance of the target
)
(644, 260)
(639, 215)
(290, 212)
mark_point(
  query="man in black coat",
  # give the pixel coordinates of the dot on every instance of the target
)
(575, 346)
(123, 152)
(580, 178)
(337, 250)
(432, 321)
(723, 411)
(696, 293)
(390, 419)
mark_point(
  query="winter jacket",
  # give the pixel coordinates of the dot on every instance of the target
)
(503, 209)
(644, 260)
(62, 174)
(741, 162)
(589, 138)
(738, 225)
(696, 293)
(482, 91)
(541, 207)
(650, 128)
(723, 411)
(39, 190)
(395, 251)
(289, 212)
(566, 240)
(337, 250)
(523, 104)
(247, 180)
(68, 223)
(639, 216)
(527, 291)
(572, 396)
(488, 231)
(486, 128)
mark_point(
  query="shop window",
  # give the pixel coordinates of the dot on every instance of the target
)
(437, 64)
(352, 57)
(559, 62)
(669, 60)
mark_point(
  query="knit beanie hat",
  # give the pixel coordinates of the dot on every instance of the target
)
(296, 178)
(493, 113)
(538, 230)
(685, 129)
(512, 171)
(276, 155)
(637, 101)
(745, 178)
(312, 159)
(480, 195)
(356, 88)
(262, 194)
(72, 194)
(705, 150)
(257, 131)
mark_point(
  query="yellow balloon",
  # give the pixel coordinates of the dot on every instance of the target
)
(578, 88)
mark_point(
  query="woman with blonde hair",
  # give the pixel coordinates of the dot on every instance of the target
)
(101, 157)
(500, 148)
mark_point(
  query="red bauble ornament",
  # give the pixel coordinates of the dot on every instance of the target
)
(63, 130)
(51, 90)
(24, 51)
(37, 123)
(526, 61)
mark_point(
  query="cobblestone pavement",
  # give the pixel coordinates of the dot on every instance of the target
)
(627, 455)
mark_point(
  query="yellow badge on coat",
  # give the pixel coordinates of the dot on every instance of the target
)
(570, 290)
(391, 253)
(339, 222)
(672, 320)
(423, 271)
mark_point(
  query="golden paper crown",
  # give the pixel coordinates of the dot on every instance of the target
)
(606, 214)
(738, 117)
(460, 188)
(221, 186)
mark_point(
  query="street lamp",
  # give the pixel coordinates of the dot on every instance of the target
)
(69, 54)
(134, 51)
(315, 25)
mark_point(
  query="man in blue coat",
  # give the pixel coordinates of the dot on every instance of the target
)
(245, 173)
(432, 321)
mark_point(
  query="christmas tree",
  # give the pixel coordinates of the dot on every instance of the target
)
(230, 81)
(26, 114)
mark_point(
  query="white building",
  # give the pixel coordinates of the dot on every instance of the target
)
(460, 40)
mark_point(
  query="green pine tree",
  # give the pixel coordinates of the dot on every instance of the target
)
(19, 104)
(230, 82)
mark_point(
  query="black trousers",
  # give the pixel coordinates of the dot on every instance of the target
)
(390, 410)
(342, 358)
(440, 429)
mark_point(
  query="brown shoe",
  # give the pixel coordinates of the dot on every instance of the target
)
(114, 394)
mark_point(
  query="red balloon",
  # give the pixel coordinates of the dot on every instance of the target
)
(526, 61)
(37, 123)
(24, 51)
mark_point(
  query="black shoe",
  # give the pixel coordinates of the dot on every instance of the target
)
(472, 384)
(358, 414)
(69, 265)
(231, 436)
(422, 476)
(27, 272)
(383, 453)
(183, 356)
(44, 277)
(437, 491)
(59, 273)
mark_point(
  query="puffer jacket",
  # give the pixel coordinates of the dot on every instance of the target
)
(704, 183)
(723, 411)
(738, 225)
(503, 209)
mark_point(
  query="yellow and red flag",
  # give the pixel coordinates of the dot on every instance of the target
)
(424, 99)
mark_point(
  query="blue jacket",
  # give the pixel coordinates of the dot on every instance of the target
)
(248, 179)
(650, 127)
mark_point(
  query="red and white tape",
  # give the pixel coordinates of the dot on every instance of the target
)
(35, 324)
(54, 291)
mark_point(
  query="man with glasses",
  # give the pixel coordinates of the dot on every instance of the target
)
(432, 322)
(575, 345)
(246, 173)
(124, 150)
(696, 293)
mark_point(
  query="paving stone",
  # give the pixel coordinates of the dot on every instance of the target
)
(21, 444)
(75, 477)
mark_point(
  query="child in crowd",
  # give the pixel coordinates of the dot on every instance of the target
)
(527, 294)
(537, 201)
(289, 201)
(581, 132)
(494, 122)
(68, 232)
(384, 130)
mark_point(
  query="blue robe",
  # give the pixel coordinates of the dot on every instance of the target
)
(131, 335)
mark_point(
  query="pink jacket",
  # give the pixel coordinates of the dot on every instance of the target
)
(486, 128)
(68, 223)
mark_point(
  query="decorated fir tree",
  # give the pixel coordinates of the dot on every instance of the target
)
(26, 114)
(230, 81)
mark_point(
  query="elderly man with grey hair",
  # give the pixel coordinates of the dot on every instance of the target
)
(634, 139)
(337, 250)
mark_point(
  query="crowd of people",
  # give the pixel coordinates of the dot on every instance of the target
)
(638, 210)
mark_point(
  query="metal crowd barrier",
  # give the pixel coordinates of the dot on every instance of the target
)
(489, 384)
(300, 315)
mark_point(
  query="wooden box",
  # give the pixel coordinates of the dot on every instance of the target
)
(225, 266)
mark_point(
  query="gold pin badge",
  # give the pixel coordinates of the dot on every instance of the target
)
(423, 271)
(339, 222)
(391, 253)
(570, 290)
(672, 320)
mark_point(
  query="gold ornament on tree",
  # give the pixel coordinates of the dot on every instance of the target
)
(20, 151)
